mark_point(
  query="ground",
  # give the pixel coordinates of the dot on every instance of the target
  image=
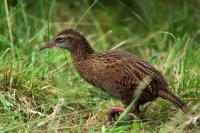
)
(40, 91)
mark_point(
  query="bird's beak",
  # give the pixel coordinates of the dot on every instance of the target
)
(49, 44)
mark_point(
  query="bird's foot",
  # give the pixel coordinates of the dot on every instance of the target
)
(114, 112)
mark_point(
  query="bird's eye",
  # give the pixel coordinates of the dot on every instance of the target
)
(59, 39)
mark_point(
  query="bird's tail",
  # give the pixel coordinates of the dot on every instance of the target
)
(167, 95)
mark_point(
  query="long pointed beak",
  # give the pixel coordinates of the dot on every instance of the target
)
(49, 44)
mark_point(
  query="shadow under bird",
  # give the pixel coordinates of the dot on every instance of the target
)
(116, 72)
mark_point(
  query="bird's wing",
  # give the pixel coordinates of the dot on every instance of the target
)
(120, 72)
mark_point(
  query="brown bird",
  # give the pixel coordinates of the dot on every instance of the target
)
(116, 72)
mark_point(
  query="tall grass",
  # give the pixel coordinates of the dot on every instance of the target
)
(41, 91)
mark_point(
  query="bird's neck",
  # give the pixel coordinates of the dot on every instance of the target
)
(82, 52)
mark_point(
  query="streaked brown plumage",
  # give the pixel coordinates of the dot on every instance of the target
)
(116, 72)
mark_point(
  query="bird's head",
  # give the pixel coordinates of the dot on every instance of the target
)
(68, 39)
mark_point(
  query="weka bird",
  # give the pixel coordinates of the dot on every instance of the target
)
(116, 72)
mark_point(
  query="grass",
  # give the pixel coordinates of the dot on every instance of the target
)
(41, 91)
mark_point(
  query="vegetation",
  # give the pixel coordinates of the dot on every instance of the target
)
(41, 92)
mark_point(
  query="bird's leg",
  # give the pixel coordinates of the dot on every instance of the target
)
(114, 112)
(135, 112)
